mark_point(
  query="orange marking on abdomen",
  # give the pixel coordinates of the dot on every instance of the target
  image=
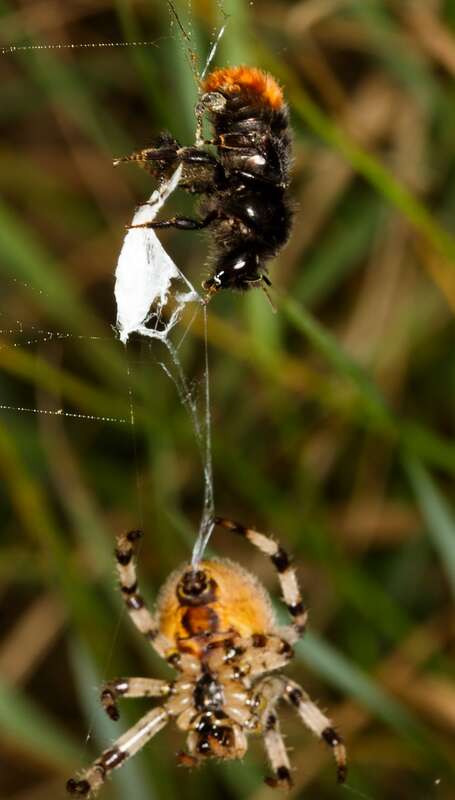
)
(253, 82)
(201, 619)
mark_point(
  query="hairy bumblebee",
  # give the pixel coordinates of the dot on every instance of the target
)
(245, 188)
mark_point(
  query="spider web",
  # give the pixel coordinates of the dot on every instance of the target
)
(152, 294)
(147, 279)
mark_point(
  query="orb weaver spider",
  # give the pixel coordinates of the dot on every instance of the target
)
(215, 625)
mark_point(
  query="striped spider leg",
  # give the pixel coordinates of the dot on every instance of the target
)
(131, 687)
(286, 575)
(141, 617)
(317, 723)
(274, 655)
(269, 692)
(126, 746)
(134, 739)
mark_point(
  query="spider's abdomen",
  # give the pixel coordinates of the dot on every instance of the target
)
(217, 597)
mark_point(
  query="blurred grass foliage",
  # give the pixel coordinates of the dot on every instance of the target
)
(333, 419)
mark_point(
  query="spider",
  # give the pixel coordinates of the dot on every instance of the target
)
(245, 190)
(215, 625)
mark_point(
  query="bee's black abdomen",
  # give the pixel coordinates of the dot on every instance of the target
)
(254, 149)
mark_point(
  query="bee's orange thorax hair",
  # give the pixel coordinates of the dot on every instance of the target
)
(260, 85)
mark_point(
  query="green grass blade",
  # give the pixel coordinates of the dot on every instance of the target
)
(24, 258)
(342, 673)
(341, 251)
(439, 517)
(411, 436)
(34, 730)
(328, 346)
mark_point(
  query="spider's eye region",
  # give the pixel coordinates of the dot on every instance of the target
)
(196, 588)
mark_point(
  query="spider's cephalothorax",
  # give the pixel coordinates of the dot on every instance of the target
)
(246, 205)
(215, 625)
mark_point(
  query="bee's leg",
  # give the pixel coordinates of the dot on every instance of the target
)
(201, 170)
(181, 223)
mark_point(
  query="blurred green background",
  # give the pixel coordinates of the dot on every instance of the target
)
(333, 419)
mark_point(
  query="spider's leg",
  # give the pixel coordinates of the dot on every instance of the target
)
(268, 652)
(181, 223)
(286, 573)
(277, 754)
(140, 615)
(266, 695)
(131, 687)
(318, 723)
(91, 779)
